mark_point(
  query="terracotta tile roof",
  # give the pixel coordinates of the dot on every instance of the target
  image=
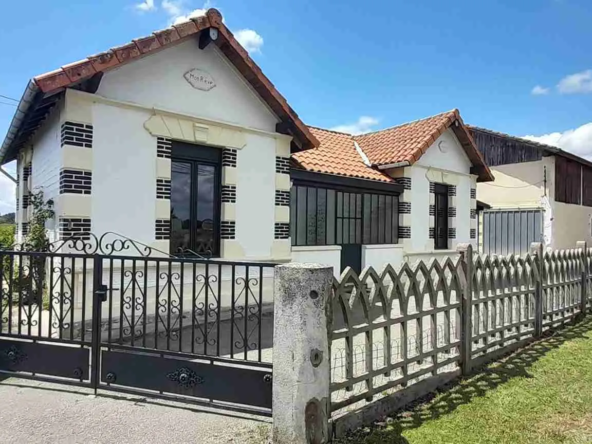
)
(403, 144)
(93, 66)
(337, 155)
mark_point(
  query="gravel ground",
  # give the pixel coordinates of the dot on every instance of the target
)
(38, 412)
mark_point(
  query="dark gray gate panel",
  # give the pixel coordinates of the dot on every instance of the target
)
(508, 232)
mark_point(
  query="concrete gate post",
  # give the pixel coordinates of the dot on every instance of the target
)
(301, 360)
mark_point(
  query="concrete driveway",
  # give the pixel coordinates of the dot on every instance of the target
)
(38, 412)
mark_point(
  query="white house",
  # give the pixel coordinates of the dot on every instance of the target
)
(179, 141)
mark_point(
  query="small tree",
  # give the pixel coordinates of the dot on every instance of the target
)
(37, 241)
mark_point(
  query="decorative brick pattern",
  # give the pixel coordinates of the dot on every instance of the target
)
(163, 188)
(451, 211)
(228, 193)
(228, 229)
(473, 213)
(282, 165)
(452, 233)
(404, 207)
(432, 187)
(405, 181)
(17, 204)
(77, 134)
(432, 210)
(26, 200)
(282, 198)
(404, 232)
(27, 170)
(78, 227)
(432, 232)
(229, 157)
(473, 233)
(473, 193)
(282, 230)
(75, 182)
(162, 229)
(24, 228)
(164, 147)
(452, 190)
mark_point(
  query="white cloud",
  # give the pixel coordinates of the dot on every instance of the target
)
(250, 40)
(578, 83)
(178, 13)
(365, 124)
(577, 141)
(539, 91)
(146, 5)
(7, 190)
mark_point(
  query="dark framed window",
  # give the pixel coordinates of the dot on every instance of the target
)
(329, 216)
(441, 217)
(195, 199)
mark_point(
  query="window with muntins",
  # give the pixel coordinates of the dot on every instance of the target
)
(327, 216)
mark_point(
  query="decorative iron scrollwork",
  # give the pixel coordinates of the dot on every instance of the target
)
(185, 377)
(15, 355)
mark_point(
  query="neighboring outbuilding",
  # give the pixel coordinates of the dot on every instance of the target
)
(179, 141)
(540, 194)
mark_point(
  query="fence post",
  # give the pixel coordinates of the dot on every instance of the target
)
(536, 249)
(301, 359)
(582, 245)
(466, 258)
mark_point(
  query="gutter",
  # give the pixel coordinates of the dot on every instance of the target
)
(394, 165)
(18, 118)
(7, 174)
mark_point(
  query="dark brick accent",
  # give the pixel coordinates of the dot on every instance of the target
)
(452, 190)
(432, 210)
(24, 228)
(164, 147)
(452, 233)
(27, 170)
(473, 213)
(77, 134)
(163, 188)
(75, 182)
(162, 229)
(229, 157)
(451, 211)
(282, 230)
(26, 200)
(432, 187)
(404, 232)
(282, 198)
(79, 227)
(473, 233)
(17, 204)
(404, 207)
(473, 193)
(227, 229)
(229, 193)
(282, 165)
(432, 233)
(405, 181)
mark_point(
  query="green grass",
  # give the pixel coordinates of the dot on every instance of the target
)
(541, 394)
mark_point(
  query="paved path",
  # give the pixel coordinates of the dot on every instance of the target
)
(37, 412)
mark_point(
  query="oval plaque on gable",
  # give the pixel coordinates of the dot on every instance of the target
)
(199, 79)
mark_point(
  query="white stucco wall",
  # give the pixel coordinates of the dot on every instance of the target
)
(446, 153)
(124, 168)
(157, 80)
(326, 255)
(571, 223)
(379, 256)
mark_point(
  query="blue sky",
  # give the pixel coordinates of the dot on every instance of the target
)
(356, 66)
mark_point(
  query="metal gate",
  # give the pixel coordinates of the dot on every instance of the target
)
(508, 232)
(115, 316)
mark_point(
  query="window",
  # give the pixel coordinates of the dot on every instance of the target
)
(441, 217)
(325, 216)
(195, 202)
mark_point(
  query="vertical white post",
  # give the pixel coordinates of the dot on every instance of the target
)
(301, 360)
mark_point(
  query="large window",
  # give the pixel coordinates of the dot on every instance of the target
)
(195, 203)
(326, 216)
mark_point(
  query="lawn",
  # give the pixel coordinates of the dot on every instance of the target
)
(541, 394)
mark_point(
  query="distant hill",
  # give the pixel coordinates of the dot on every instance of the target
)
(7, 218)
